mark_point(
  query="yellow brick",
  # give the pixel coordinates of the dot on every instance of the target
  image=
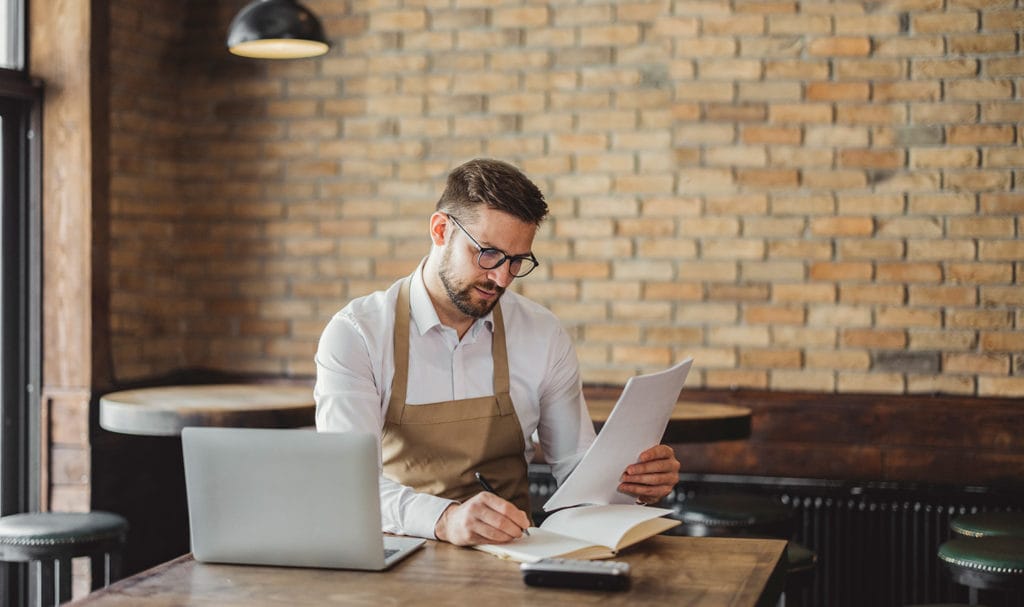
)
(642, 355)
(906, 46)
(675, 291)
(549, 290)
(873, 338)
(666, 248)
(401, 20)
(890, 383)
(611, 290)
(944, 23)
(842, 226)
(1001, 386)
(770, 359)
(528, 17)
(910, 227)
(582, 185)
(908, 317)
(642, 311)
(840, 46)
(941, 250)
(840, 271)
(817, 381)
(1001, 250)
(797, 293)
(619, 34)
(837, 91)
(947, 384)
(799, 250)
(979, 89)
(979, 319)
(580, 269)
(774, 315)
(872, 294)
(1003, 296)
(980, 273)
(942, 295)
(909, 272)
(736, 379)
(768, 178)
(800, 113)
(729, 69)
(644, 269)
(802, 24)
(943, 158)
(983, 180)
(610, 332)
(928, 340)
(736, 156)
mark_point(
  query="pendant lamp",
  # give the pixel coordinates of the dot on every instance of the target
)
(276, 29)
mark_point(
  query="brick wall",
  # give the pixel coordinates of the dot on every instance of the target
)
(802, 195)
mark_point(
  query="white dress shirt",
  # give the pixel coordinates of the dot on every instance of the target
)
(355, 364)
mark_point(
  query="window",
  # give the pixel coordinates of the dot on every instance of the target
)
(12, 34)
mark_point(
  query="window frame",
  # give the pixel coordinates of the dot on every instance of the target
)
(20, 310)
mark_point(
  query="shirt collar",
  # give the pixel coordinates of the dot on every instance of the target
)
(422, 309)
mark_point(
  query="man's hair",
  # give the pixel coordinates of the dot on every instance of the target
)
(493, 183)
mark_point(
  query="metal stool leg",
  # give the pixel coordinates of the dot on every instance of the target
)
(45, 586)
(113, 566)
(106, 569)
(63, 580)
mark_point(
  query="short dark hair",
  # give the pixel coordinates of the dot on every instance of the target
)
(494, 183)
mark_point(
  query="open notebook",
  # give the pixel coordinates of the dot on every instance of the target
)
(590, 519)
(287, 497)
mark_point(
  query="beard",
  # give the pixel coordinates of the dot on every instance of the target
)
(461, 294)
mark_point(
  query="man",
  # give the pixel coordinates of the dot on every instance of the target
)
(454, 382)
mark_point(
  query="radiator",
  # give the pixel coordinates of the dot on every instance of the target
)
(876, 542)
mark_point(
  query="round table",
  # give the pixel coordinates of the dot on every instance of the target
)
(691, 422)
(164, 411)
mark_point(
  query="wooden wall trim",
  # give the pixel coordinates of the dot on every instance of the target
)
(60, 43)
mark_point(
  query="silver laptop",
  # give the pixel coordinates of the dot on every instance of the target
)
(294, 498)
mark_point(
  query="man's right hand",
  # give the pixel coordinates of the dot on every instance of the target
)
(483, 519)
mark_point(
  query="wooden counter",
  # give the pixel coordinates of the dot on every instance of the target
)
(697, 572)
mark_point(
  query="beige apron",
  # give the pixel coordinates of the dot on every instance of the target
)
(435, 448)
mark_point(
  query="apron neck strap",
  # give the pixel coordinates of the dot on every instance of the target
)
(399, 383)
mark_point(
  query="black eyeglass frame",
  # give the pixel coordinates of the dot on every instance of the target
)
(511, 259)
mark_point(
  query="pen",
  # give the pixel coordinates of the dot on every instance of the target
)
(489, 489)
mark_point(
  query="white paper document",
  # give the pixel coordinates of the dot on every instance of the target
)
(636, 423)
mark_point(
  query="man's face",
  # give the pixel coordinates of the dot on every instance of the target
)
(473, 290)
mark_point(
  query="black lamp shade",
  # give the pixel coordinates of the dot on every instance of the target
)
(276, 29)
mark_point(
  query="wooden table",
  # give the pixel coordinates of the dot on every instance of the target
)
(164, 411)
(696, 572)
(691, 422)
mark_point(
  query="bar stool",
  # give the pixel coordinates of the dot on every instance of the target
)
(734, 514)
(53, 538)
(738, 514)
(989, 524)
(984, 563)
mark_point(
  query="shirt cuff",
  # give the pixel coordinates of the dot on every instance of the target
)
(426, 509)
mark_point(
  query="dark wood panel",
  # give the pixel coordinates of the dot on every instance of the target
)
(914, 438)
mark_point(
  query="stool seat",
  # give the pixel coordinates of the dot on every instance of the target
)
(738, 514)
(52, 539)
(986, 562)
(799, 559)
(989, 524)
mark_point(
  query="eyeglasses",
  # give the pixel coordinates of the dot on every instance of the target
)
(490, 258)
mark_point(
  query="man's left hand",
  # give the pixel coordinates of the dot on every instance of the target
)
(653, 476)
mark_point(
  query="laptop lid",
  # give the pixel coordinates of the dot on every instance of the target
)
(286, 497)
